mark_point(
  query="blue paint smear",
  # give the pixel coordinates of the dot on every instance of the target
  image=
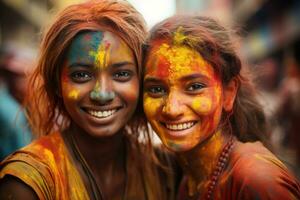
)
(81, 47)
(175, 146)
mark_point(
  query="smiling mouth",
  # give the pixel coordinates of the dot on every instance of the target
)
(101, 114)
(179, 126)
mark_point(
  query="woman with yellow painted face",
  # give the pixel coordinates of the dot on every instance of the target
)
(84, 102)
(204, 109)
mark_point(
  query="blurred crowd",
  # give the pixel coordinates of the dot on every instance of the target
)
(280, 95)
(15, 63)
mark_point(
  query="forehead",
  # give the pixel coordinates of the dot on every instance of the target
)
(85, 45)
(166, 60)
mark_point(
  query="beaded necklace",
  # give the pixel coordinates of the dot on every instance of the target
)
(222, 161)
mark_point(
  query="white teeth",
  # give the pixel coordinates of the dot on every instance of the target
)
(102, 114)
(179, 127)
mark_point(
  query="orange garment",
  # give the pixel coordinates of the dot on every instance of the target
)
(47, 167)
(252, 172)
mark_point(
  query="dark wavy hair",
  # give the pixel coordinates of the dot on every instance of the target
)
(216, 45)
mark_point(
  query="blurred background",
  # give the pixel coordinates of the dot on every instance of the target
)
(270, 44)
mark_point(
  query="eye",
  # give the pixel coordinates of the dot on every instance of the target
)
(122, 76)
(156, 91)
(81, 76)
(195, 87)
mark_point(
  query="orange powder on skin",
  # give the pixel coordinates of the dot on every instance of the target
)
(177, 60)
(211, 152)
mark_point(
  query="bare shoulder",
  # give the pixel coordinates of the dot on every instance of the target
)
(13, 188)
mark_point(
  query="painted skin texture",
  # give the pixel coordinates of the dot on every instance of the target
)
(47, 165)
(99, 74)
(181, 87)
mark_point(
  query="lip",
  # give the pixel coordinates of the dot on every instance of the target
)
(101, 115)
(179, 129)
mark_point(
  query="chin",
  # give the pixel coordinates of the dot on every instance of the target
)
(177, 147)
(102, 132)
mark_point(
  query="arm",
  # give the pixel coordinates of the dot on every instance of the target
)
(13, 188)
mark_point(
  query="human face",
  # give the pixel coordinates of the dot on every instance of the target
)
(183, 96)
(99, 82)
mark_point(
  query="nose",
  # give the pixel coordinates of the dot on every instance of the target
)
(173, 107)
(102, 91)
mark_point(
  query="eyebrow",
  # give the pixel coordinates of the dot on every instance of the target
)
(115, 65)
(185, 78)
(193, 76)
(121, 64)
(79, 65)
(152, 79)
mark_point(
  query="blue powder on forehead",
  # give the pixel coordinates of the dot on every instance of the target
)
(81, 46)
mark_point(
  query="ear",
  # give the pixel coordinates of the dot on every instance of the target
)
(229, 94)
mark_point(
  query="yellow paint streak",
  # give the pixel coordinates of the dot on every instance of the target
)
(179, 37)
(101, 56)
(97, 86)
(73, 94)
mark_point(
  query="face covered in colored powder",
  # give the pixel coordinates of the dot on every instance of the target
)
(99, 83)
(183, 96)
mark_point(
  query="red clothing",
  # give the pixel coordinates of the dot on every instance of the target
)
(252, 172)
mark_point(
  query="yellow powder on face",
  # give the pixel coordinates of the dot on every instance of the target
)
(178, 57)
(101, 56)
(151, 105)
(182, 60)
(73, 94)
(202, 104)
(97, 86)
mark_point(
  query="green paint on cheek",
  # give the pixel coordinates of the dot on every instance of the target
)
(174, 146)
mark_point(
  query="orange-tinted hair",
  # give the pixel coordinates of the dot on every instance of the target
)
(45, 108)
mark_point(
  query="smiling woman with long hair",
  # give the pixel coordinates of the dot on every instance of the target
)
(84, 102)
(204, 108)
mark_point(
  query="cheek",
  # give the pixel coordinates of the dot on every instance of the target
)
(202, 105)
(128, 91)
(68, 89)
(208, 103)
(151, 106)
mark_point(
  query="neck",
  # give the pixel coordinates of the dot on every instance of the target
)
(101, 161)
(101, 152)
(199, 163)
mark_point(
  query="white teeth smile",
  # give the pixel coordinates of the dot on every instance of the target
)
(180, 127)
(102, 114)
